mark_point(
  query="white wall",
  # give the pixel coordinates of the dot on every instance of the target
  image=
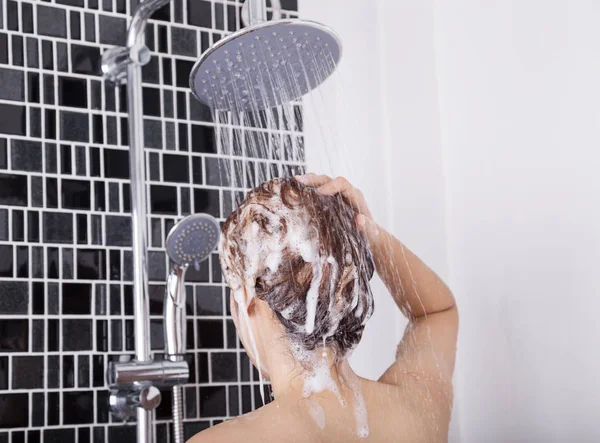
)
(520, 94)
(377, 122)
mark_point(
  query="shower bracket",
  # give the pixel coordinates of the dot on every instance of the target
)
(135, 384)
(116, 60)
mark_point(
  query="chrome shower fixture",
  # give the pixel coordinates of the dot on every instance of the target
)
(190, 242)
(266, 64)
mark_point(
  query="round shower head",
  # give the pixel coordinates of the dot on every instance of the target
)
(193, 239)
(263, 66)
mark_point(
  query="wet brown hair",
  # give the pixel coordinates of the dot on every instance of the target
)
(344, 301)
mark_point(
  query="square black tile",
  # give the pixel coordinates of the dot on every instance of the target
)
(14, 335)
(199, 13)
(113, 30)
(163, 199)
(15, 297)
(58, 227)
(26, 155)
(13, 84)
(203, 139)
(28, 372)
(77, 298)
(210, 334)
(86, 60)
(74, 126)
(76, 194)
(183, 68)
(153, 133)
(184, 42)
(209, 300)
(91, 264)
(78, 407)
(176, 168)
(72, 92)
(76, 335)
(213, 401)
(116, 163)
(152, 104)
(218, 171)
(224, 366)
(13, 119)
(118, 231)
(14, 410)
(208, 201)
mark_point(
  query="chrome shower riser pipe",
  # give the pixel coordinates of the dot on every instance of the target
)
(120, 64)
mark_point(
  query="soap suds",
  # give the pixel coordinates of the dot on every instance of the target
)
(360, 406)
(312, 296)
(239, 298)
(317, 413)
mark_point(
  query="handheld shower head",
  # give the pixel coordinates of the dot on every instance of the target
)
(265, 65)
(192, 240)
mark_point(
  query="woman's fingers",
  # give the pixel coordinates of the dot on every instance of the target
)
(311, 179)
(353, 195)
(339, 185)
(327, 186)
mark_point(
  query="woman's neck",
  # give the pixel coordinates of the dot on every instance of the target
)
(297, 377)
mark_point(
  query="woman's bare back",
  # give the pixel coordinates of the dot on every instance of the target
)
(408, 412)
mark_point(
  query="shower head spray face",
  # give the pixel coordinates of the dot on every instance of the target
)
(193, 239)
(263, 66)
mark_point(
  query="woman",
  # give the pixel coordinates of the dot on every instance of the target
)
(298, 256)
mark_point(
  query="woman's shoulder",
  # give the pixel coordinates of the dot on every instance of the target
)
(228, 431)
(252, 427)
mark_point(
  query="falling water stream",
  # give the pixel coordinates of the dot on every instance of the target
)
(262, 144)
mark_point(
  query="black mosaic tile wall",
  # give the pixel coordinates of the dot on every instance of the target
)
(65, 259)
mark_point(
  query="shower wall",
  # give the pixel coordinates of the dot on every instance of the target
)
(66, 305)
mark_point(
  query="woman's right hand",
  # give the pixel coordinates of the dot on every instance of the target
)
(364, 219)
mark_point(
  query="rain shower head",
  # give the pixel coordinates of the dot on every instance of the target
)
(265, 65)
(193, 239)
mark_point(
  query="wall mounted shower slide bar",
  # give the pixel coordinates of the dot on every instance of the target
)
(133, 385)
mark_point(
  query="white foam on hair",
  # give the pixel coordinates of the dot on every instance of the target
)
(312, 296)
(263, 249)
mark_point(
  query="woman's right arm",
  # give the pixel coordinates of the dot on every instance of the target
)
(429, 344)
